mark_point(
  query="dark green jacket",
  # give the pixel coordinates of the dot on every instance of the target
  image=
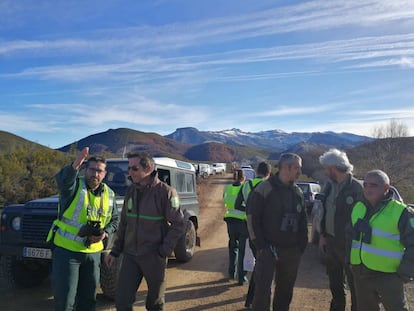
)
(345, 200)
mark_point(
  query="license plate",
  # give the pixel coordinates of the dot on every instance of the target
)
(34, 252)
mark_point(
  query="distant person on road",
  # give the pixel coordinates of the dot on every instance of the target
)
(262, 173)
(236, 229)
(341, 193)
(151, 224)
(277, 224)
(87, 215)
(382, 247)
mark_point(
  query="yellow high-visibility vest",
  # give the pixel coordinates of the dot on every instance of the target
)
(77, 215)
(385, 251)
(229, 198)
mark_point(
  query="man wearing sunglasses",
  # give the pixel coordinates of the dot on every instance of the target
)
(151, 224)
(87, 215)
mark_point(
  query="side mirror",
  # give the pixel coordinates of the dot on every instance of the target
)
(320, 197)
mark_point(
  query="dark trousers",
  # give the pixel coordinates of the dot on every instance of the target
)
(284, 271)
(133, 268)
(237, 230)
(75, 277)
(336, 270)
(374, 288)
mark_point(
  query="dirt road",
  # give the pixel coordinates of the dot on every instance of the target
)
(201, 284)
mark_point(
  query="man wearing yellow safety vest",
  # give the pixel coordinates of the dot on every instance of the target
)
(87, 215)
(262, 173)
(236, 228)
(382, 250)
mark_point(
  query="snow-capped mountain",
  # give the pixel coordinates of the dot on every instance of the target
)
(277, 140)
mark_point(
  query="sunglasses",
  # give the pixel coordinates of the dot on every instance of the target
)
(133, 168)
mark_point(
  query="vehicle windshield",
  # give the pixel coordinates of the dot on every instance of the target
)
(117, 177)
(303, 187)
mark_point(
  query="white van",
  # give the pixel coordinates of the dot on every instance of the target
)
(218, 168)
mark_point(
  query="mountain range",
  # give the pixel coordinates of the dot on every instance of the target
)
(192, 144)
(275, 140)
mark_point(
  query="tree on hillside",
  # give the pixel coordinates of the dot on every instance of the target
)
(391, 151)
(393, 129)
(27, 174)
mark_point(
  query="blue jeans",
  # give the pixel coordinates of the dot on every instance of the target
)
(74, 279)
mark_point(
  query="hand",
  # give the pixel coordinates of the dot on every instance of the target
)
(97, 238)
(80, 158)
(109, 260)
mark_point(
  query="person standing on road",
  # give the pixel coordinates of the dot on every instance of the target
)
(277, 224)
(86, 205)
(262, 173)
(382, 247)
(341, 193)
(236, 228)
(151, 224)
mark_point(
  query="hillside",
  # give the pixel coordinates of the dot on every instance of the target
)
(219, 152)
(121, 141)
(10, 142)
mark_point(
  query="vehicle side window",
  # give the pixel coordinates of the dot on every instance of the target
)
(185, 182)
(189, 180)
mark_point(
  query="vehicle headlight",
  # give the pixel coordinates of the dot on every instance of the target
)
(16, 223)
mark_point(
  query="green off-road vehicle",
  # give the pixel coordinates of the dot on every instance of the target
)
(26, 257)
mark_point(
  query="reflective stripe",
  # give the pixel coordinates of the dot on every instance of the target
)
(75, 217)
(74, 221)
(385, 234)
(71, 236)
(79, 204)
(384, 251)
(71, 222)
(145, 217)
(380, 252)
(236, 212)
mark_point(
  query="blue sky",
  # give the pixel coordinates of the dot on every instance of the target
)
(69, 69)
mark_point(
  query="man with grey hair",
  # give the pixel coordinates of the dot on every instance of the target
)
(276, 220)
(341, 192)
(382, 252)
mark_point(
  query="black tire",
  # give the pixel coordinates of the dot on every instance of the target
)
(24, 274)
(185, 247)
(109, 276)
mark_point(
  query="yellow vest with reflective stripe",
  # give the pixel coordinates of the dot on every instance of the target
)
(247, 187)
(229, 198)
(75, 216)
(385, 251)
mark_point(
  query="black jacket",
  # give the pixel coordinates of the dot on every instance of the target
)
(276, 215)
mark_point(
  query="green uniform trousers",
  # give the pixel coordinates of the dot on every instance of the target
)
(75, 277)
(133, 268)
(373, 288)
